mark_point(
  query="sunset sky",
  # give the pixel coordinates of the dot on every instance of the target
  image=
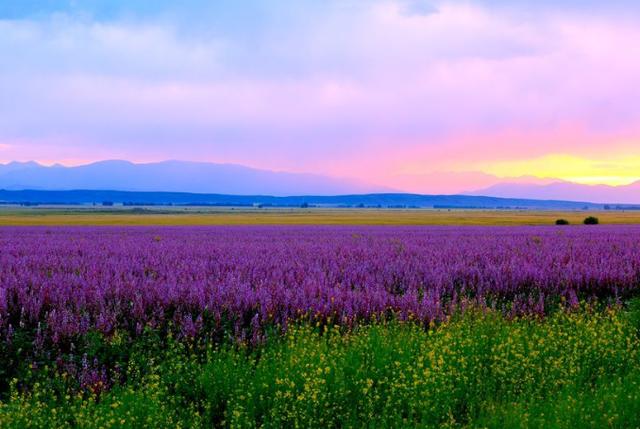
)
(427, 96)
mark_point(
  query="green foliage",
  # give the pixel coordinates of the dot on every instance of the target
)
(573, 369)
(608, 403)
(562, 222)
(591, 220)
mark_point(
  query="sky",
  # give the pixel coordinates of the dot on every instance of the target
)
(427, 96)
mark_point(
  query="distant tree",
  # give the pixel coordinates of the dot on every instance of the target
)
(304, 205)
(591, 220)
(607, 207)
(107, 203)
(562, 222)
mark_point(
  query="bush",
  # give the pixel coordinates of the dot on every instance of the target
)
(562, 222)
(591, 221)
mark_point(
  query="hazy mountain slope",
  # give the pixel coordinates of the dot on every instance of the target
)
(450, 182)
(629, 194)
(174, 176)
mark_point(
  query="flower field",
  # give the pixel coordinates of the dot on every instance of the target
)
(70, 281)
(313, 326)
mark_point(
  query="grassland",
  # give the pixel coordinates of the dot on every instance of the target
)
(579, 369)
(315, 216)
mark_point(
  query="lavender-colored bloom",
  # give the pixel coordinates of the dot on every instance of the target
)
(68, 281)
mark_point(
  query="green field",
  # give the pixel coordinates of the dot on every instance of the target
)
(315, 216)
(571, 370)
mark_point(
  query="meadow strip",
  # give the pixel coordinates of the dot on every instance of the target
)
(477, 370)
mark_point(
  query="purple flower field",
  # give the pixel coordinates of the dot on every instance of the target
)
(65, 281)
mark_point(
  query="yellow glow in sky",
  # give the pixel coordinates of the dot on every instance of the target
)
(610, 170)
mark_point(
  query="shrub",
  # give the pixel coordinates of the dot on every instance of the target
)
(562, 222)
(591, 221)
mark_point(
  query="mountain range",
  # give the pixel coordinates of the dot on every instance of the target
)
(625, 194)
(174, 176)
(233, 179)
(384, 200)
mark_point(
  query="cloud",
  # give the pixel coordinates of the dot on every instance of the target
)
(372, 89)
(419, 7)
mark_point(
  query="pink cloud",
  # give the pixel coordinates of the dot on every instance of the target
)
(378, 94)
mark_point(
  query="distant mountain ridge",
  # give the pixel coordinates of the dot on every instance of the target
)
(237, 180)
(174, 176)
(361, 200)
(626, 194)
